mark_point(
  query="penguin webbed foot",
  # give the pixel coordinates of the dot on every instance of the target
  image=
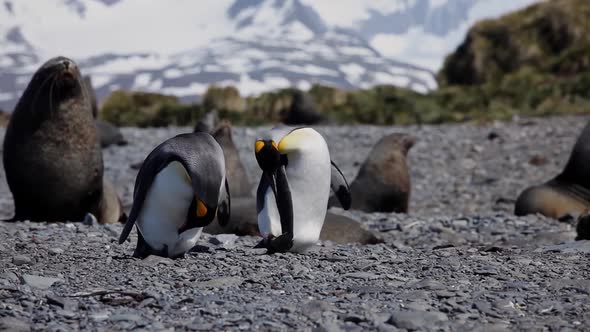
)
(282, 243)
(143, 249)
(262, 244)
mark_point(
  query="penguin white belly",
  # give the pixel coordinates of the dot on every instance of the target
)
(165, 210)
(269, 220)
(309, 181)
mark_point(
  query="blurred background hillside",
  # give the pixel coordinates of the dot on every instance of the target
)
(158, 63)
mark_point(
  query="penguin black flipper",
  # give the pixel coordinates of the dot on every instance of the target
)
(283, 242)
(284, 202)
(185, 149)
(340, 187)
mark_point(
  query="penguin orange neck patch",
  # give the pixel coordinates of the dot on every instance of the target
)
(201, 209)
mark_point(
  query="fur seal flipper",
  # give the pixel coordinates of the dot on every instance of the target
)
(568, 192)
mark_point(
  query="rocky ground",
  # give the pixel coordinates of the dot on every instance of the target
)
(458, 261)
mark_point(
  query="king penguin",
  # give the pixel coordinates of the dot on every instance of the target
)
(293, 192)
(179, 189)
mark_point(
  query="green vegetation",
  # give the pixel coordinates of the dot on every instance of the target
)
(534, 62)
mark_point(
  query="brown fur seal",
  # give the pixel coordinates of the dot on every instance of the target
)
(337, 228)
(234, 170)
(568, 192)
(383, 182)
(109, 134)
(208, 122)
(52, 155)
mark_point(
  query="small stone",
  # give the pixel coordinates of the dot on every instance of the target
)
(153, 260)
(89, 220)
(100, 316)
(126, 318)
(10, 276)
(66, 313)
(327, 327)
(416, 320)
(538, 160)
(428, 284)
(223, 282)
(39, 281)
(493, 135)
(444, 294)
(361, 275)
(223, 240)
(56, 300)
(19, 260)
(56, 251)
(13, 324)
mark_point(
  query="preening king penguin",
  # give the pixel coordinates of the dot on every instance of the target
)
(179, 189)
(293, 192)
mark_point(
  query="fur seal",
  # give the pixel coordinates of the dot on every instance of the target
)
(240, 189)
(383, 182)
(337, 228)
(109, 134)
(568, 192)
(52, 156)
(234, 170)
(208, 122)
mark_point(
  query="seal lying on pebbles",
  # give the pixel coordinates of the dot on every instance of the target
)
(109, 134)
(294, 189)
(179, 189)
(383, 182)
(568, 192)
(52, 155)
(337, 228)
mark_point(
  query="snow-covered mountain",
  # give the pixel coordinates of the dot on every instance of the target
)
(181, 46)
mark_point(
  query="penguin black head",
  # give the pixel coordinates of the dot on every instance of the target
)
(267, 155)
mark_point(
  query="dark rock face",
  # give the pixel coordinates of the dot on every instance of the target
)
(540, 37)
(302, 111)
